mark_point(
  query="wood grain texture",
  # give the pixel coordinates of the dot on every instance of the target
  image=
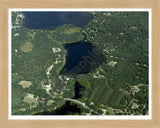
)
(6, 4)
(78, 3)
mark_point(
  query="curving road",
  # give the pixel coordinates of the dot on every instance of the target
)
(76, 101)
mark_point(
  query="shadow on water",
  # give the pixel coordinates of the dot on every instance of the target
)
(81, 57)
(67, 109)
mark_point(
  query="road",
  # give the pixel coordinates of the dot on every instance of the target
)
(76, 101)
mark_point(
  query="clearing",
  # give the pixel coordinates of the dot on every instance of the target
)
(31, 34)
(27, 47)
(72, 30)
(29, 98)
(25, 84)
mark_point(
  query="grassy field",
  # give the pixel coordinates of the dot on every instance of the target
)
(94, 92)
(103, 94)
(27, 47)
(72, 30)
(31, 34)
(107, 95)
(25, 84)
(100, 94)
(114, 98)
(29, 98)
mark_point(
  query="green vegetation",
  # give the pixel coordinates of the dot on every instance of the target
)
(38, 56)
(123, 38)
(84, 82)
(67, 34)
(27, 47)
(29, 98)
(25, 84)
(119, 86)
(72, 30)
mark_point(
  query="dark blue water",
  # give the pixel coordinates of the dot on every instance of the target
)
(81, 57)
(66, 109)
(51, 20)
(75, 54)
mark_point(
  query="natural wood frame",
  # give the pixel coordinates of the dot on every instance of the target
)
(4, 8)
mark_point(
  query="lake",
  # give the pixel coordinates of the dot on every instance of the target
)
(81, 56)
(51, 20)
(66, 109)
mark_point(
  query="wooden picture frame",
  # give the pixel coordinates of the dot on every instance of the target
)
(5, 122)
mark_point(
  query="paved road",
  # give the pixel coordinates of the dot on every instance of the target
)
(76, 101)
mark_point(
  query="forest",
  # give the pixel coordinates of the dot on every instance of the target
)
(123, 38)
(118, 86)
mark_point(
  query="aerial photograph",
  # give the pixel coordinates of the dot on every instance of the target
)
(79, 63)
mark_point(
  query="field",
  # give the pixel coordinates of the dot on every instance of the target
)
(25, 84)
(72, 30)
(106, 95)
(114, 98)
(31, 34)
(27, 47)
(102, 94)
(29, 98)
